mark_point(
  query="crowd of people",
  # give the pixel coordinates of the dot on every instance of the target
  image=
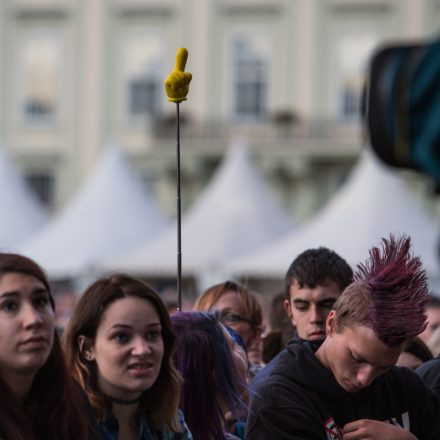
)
(348, 356)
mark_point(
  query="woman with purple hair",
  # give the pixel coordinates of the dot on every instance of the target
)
(214, 374)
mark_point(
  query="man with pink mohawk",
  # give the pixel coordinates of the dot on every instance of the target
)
(348, 387)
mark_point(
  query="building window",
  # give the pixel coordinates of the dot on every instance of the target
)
(144, 96)
(141, 73)
(250, 76)
(39, 75)
(353, 54)
(42, 184)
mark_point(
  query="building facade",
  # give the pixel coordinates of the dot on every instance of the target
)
(287, 75)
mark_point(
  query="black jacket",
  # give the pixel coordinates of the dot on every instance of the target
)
(430, 373)
(302, 400)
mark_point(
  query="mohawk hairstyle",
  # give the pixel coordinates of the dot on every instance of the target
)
(397, 287)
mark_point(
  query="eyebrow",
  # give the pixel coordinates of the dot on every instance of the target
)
(9, 294)
(16, 293)
(362, 359)
(118, 325)
(230, 311)
(320, 302)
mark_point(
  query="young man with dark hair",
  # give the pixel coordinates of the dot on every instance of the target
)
(347, 387)
(314, 281)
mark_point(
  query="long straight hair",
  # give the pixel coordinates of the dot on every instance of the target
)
(210, 377)
(54, 408)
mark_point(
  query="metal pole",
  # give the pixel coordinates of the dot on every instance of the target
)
(179, 218)
(176, 87)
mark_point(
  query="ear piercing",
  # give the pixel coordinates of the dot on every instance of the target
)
(88, 356)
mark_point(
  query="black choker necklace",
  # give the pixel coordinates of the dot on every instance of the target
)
(123, 401)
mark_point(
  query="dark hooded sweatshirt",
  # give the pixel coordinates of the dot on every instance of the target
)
(301, 400)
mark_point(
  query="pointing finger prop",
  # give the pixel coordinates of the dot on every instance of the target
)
(177, 82)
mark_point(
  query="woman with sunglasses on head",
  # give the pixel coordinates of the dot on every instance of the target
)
(240, 309)
(120, 344)
(39, 400)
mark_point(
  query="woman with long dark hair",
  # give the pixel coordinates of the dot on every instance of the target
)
(120, 344)
(39, 400)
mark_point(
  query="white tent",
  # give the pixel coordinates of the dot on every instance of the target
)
(111, 213)
(234, 214)
(372, 204)
(21, 215)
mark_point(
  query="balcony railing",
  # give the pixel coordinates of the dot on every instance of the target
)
(270, 129)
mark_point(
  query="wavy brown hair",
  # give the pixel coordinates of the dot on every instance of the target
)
(54, 408)
(159, 403)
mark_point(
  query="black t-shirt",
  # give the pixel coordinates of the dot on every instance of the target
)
(301, 400)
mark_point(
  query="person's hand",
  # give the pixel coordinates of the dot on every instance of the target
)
(365, 429)
(177, 82)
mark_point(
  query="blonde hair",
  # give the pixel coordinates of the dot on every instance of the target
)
(353, 306)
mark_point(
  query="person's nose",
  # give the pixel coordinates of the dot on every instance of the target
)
(366, 375)
(141, 346)
(31, 317)
(316, 315)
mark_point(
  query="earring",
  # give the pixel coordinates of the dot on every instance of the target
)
(88, 356)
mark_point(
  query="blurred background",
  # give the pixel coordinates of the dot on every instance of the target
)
(282, 78)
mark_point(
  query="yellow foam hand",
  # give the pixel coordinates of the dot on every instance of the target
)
(177, 82)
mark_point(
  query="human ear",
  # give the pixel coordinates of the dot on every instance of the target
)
(288, 308)
(86, 347)
(330, 325)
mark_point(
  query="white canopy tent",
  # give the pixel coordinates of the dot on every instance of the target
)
(21, 214)
(111, 213)
(235, 214)
(373, 203)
